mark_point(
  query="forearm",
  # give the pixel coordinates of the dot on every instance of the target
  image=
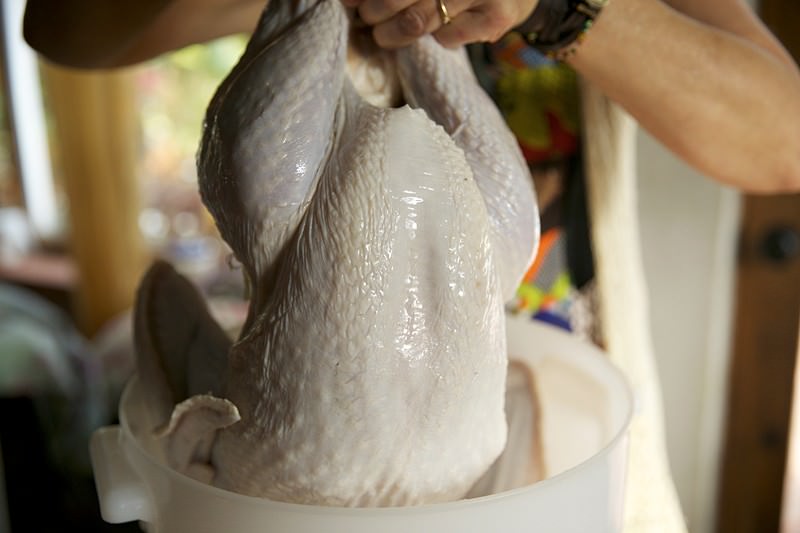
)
(729, 107)
(104, 33)
(91, 33)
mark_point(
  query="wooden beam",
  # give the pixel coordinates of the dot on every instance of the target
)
(762, 369)
(95, 150)
(783, 18)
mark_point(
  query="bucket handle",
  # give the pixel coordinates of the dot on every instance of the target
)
(122, 494)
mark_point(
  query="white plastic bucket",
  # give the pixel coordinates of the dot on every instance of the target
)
(586, 408)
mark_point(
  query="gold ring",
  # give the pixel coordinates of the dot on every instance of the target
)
(443, 14)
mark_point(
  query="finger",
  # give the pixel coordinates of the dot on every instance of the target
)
(375, 12)
(412, 23)
(473, 26)
(409, 25)
(466, 28)
(351, 3)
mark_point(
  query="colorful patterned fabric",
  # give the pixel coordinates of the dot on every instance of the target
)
(546, 292)
(540, 101)
(537, 96)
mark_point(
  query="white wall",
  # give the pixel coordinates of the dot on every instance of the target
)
(689, 232)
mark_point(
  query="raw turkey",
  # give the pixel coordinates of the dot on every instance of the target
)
(382, 213)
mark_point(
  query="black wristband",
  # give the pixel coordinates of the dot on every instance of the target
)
(557, 25)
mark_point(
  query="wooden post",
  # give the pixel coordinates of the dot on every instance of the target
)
(95, 150)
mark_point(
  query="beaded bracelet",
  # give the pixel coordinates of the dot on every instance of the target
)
(557, 27)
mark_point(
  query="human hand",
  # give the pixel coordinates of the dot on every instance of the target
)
(398, 23)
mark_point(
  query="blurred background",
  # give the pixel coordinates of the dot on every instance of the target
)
(97, 178)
